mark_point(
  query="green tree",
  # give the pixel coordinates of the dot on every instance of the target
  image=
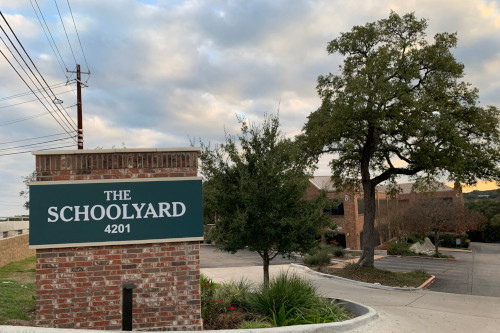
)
(397, 107)
(258, 190)
(490, 232)
(25, 193)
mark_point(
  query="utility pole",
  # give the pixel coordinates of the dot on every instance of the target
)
(79, 84)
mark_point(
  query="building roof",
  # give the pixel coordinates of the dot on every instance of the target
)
(325, 183)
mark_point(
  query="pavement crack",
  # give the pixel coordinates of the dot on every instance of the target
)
(416, 299)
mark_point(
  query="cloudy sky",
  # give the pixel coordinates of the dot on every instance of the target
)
(163, 72)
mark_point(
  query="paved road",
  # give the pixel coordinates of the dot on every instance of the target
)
(210, 257)
(399, 311)
(473, 273)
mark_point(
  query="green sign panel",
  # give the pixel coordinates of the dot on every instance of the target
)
(66, 214)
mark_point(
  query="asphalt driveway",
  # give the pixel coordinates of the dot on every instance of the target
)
(473, 273)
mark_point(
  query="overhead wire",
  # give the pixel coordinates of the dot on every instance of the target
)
(40, 137)
(65, 32)
(32, 100)
(26, 83)
(79, 41)
(29, 151)
(29, 77)
(34, 144)
(31, 60)
(54, 86)
(60, 58)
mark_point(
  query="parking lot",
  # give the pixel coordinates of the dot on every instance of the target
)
(472, 273)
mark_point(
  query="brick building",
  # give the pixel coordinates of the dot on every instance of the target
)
(349, 215)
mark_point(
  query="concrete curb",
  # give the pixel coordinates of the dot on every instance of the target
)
(428, 282)
(359, 283)
(365, 315)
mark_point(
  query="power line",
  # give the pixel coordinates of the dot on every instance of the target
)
(31, 60)
(79, 41)
(46, 108)
(54, 86)
(18, 120)
(32, 100)
(29, 151)
(45, 97)
(34, 144)
(60, 58)
(40, 137)
(64, 27)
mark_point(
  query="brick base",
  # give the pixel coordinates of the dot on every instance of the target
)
(82, 287)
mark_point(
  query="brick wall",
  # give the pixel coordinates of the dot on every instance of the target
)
(116, 164)
(14, 248)
(81, 287)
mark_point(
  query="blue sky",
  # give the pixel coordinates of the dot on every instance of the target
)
(167, 71)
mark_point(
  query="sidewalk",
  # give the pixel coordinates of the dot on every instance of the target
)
(399, 311)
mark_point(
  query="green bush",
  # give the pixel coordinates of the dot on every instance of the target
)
(339, 252)
(400, 249)
(236, 294)
(319, 258)
(287, 290)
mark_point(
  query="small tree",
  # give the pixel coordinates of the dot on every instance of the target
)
(25, 193)
(258, 191)
(398, 107)
(439, 216)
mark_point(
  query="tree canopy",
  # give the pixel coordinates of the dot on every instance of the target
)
(257, 191)
(397, 106)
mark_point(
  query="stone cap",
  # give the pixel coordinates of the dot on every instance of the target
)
(112, 151)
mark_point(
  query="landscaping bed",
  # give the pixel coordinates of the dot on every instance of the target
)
(288, 300)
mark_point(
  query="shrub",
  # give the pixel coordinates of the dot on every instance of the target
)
(287, 290)
(338, 251)
(237, 294)
(400, 249)
(319, 258)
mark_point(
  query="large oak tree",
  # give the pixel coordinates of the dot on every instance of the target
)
(397, 106)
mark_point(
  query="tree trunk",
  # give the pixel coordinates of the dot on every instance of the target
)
(367, 256)
(265, 264)
(436, 242)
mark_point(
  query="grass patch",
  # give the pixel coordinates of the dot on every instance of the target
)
(23, 266)
(17, 292)
(440, 255)
(384, 277)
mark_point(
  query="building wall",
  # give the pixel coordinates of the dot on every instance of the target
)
(15, 248)
(352, 221)
(82, 287)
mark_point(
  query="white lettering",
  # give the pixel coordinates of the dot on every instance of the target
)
(53, 212)
(124, 210)
(108, 193)
(183, 209)
(150, 211)
(85, 213)
(163, 207)
(92, 212)
(61, 214)
(126, 195)
(118, 212)
(138, 210)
